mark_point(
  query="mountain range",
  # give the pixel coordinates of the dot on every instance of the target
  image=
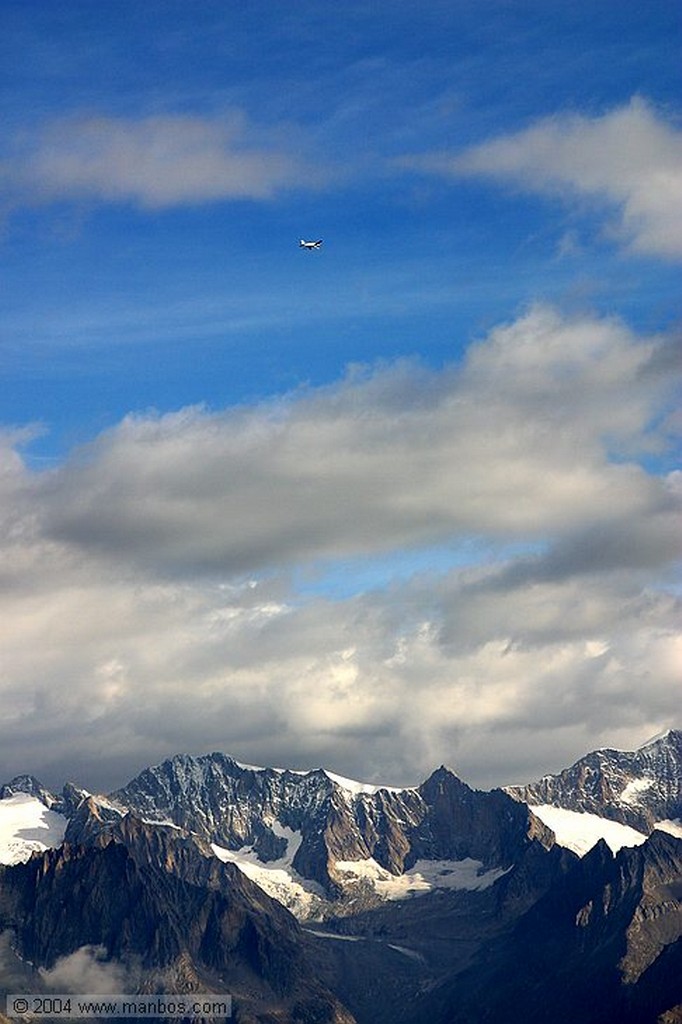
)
(313, 898)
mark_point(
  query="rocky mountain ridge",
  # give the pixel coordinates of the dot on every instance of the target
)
(236, 807)
(323, 841)
(322, 830)
(513, 926)
(637, 788)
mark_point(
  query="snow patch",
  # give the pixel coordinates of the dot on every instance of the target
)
(350, 785)
(580, 831)
(280, 771)
(423, 877)
(411, 953)
(104, 801)
(276, 877)
(671, 825)
(336, 935)
(26, 825)
(358, 787)
(630, 794)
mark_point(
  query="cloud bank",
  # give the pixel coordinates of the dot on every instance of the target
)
(629, 160)
(152, 591)
(529, 438)
(153, 162)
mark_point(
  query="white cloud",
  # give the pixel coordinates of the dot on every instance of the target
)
(147, 604)
(156, 161)
(629, 159)
(515, 443)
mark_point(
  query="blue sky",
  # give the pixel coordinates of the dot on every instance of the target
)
(459, 394)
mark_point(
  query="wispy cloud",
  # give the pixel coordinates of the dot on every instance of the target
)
(147, 600)
(153, 162)
(629, 159)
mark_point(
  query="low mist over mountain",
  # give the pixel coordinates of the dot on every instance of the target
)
(313, 898)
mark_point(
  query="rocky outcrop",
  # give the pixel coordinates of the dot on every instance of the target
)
(90, 819)
(462, 822)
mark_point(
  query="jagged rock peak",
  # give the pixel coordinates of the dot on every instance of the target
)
(637, 788)
(188, 771)
(444, 772)
(29, 785)
(264, 809)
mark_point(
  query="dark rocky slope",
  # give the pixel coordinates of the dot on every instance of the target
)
(602, 946)
(134, 896)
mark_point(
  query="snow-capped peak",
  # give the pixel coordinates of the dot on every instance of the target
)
(638, 788)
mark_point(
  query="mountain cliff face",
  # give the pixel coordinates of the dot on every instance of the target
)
(637, 788)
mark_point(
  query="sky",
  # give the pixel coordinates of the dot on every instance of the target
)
(409, 499)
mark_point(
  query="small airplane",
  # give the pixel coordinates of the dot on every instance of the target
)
(309, 245)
